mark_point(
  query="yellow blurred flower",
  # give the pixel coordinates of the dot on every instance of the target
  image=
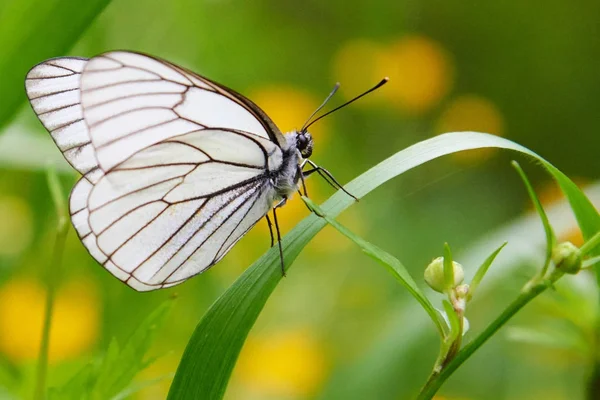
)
(289, 108)
(420, 71)
(75, 322)
(282, 364)
(16, 227)
(355, 66)
(471, 113)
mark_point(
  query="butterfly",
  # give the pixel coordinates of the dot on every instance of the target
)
(175, 167)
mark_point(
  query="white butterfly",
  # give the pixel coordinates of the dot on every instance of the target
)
(176, 168)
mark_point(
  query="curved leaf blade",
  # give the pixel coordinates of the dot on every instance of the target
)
(391, 263)
(212, 351)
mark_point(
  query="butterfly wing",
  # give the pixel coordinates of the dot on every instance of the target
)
(53, 91)
(175, 208)
(176, 167)
(131, 101)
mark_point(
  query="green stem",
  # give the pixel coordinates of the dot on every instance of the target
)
(53, 270)
(450, 345)
(590, 245)
(437, 379)
(455, 348)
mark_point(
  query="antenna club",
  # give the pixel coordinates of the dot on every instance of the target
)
(309, 122)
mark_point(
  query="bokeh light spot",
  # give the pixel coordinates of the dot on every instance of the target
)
(75, 323)
(355, 66)
(289, 108)
(16, 227)
(471, 113)
(420, 72)
(283, 363)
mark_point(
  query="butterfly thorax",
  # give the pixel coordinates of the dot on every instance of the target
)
(298, 145)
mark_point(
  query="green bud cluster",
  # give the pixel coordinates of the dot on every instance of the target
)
(434, 275)
(567, 257)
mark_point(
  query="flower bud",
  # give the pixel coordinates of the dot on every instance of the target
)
(462, 291)
(434, 275)
(567, 257)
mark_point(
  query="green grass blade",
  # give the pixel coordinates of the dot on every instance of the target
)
(550, 236)
(32, 31)
(393, 265)
(122, 363)
(586, 214)
(590, 245)
(591, 262)
(213, 349)
(79, 387)
(483, 268)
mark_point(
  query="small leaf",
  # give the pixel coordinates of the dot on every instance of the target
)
(105, 370)
(466, 324)
(110, 377)
(120, 367)
(448, 268)
(590, 245)
(139, 386)
(550, 236)
(483, 268)
(452, 321)
(79, 387)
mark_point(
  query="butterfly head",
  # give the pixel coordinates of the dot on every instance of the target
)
(304, 143)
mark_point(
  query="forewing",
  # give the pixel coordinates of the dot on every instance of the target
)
(174, 209)
(53, 91)
(132, 101)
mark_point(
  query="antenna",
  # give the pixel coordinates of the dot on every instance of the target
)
(307, 125)
(335, 88)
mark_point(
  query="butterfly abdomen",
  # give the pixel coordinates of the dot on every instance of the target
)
(285, 179)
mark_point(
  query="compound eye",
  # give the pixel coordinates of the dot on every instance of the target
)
(301, 142)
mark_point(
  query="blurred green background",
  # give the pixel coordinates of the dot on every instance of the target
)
(338, 326)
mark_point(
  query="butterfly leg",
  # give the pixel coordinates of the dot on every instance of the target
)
(280, 204)
(270, 229)
(301, 174)
(327, 176)
(306, 174)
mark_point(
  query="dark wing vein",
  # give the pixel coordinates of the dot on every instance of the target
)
(211, 234)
